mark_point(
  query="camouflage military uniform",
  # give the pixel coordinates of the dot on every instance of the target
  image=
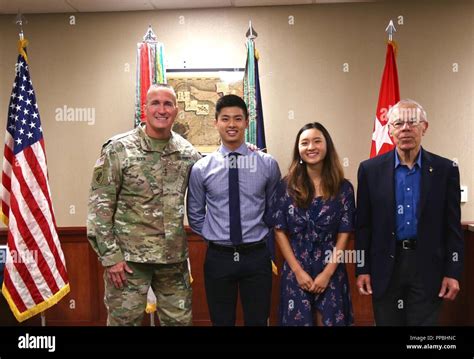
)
(136, 210)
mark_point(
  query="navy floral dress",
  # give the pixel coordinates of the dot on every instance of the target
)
(313, 234)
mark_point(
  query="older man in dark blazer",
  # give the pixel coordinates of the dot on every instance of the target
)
(408, 225)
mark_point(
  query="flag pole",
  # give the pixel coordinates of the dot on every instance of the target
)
(390, 29)
(251, 33)
(44, 277)
(150, 36)
(20, 20)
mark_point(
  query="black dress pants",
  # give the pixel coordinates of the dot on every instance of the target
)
(406, 303)
(227, 272)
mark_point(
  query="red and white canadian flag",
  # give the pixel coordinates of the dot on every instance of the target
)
(389, 95)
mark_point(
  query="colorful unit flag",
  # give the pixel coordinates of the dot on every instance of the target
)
(150, 70)
(255, 134)
(35, 276)
(389, 95)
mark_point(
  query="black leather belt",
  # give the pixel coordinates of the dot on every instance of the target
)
(240, 248)
(409, 243)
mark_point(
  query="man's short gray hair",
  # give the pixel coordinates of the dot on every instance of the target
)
(421, 113)
(155, 87)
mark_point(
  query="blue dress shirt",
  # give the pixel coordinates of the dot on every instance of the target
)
(208, 194)
(407, 197)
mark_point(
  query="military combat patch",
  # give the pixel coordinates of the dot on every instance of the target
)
(99, 178)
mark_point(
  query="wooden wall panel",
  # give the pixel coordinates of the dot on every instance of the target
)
(461, 311)
(82, 304)
(197, 253)
(468, 286)
(7, 317)
(362, 304)
(87, 288)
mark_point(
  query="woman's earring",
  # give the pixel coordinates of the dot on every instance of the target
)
(301, 161)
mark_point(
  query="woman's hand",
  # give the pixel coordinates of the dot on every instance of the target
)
(320, 283)
(304, 280)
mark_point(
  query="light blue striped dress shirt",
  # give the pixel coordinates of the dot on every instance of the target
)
(208, 194)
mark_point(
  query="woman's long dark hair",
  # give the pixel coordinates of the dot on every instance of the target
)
(300, 186)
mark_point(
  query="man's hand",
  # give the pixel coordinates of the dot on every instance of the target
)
(363, 284)
(449, 288)
(116, 274)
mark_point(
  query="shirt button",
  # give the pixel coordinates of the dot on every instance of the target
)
(408, 188)
(391, 256)
(408, 223)
(408, 206)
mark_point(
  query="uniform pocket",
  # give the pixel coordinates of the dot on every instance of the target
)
(135, 178)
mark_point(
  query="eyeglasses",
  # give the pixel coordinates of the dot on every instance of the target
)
(412, 122)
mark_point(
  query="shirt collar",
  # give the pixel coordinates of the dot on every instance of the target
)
(417, 162)
(242, 150)
(146, 145)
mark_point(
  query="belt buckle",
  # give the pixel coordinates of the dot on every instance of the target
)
(405, 244)
(235, 248)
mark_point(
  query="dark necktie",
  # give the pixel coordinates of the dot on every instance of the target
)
(234, 200)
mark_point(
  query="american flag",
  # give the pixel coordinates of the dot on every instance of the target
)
(35, 276)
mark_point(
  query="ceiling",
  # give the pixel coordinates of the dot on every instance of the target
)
(69, 6)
